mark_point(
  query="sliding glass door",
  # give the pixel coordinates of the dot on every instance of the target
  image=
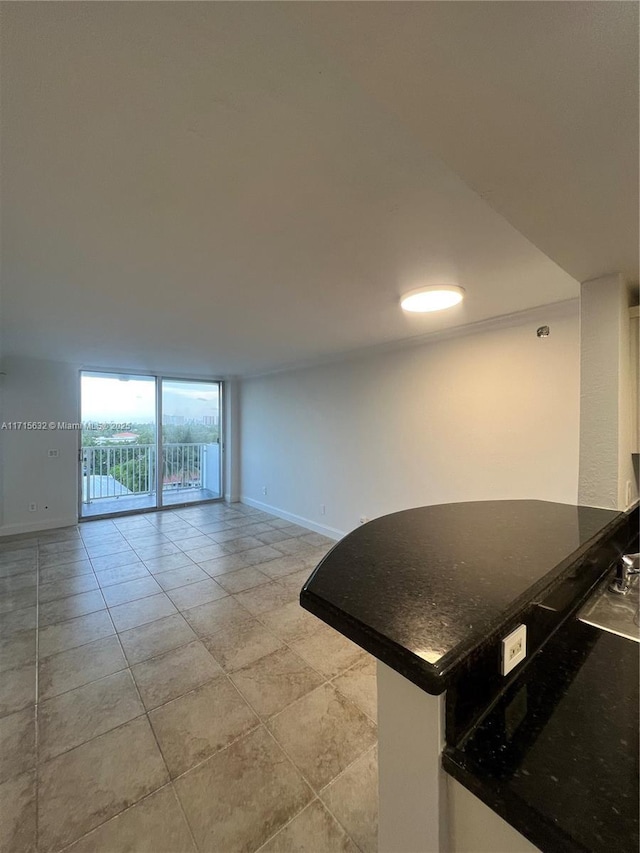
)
(128, 463)
(119, 439)
(190, 441)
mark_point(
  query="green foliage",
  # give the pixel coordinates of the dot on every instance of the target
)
(189, 434)
(171, 434)
(135, 473)
(146, 433)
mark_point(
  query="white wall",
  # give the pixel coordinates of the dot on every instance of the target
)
(35, 390)
(490, 415)
(606, 438)
(231, 476)
(38, 390)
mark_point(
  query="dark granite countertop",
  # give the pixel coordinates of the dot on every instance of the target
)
(424, 588)
(557, 756)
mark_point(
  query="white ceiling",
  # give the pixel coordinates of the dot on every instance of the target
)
(534, 105)
(225, 188)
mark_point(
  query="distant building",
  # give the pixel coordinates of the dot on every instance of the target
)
(122, 437)
(185, 479)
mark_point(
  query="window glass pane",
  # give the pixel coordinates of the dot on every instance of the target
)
(190, 441)
(118, 458)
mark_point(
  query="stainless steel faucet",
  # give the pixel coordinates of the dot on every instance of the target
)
(628, 566)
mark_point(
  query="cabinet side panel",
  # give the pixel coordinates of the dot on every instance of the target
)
(475, 828)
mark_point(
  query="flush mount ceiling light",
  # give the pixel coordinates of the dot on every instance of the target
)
(435, 297)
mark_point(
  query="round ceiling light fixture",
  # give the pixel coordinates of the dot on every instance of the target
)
(435, 297)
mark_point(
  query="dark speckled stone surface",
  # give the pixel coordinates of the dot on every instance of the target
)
(557, 756)
(421, 589)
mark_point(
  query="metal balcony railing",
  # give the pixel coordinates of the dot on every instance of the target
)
(114, 471)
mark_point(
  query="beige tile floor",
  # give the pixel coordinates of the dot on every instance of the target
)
(161, 689)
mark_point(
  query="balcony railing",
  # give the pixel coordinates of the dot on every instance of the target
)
(114, 471)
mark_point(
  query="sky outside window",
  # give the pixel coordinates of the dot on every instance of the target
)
(115, 399)
(118, 399)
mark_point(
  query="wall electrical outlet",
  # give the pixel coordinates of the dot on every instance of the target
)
(33, 507)
(54, 453)
(514, 649)
(264, 490)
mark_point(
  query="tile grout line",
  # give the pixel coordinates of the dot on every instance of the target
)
(263, 723)
(198, 638)
(316, 792)
(124, 631)
(112, 818)
(92, 681)
(158, 747)
(317, 799)
(36, 772)
(107, 608)
(37, 702)
(326, 805)
(171, 780)
(196, 846)
(204, 760)
(251, 730)
(344, 672)
(95, 737)
(179, 612)
(80, 645)
(115, 728)
(95, 681)
(288, 823)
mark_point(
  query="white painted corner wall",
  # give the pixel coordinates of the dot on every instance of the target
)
(231, 442)
(489, 415)
(35, 390)
(608, 477)
(479, 416)
(38, 390)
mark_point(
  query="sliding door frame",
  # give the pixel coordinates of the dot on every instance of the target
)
(159, 444)
(159, 378)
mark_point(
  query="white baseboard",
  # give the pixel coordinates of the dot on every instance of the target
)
(329, 532)
(36, 526)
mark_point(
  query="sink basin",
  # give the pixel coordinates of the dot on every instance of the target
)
(612, 612)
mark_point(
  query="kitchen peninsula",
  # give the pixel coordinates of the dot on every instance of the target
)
(431, 593)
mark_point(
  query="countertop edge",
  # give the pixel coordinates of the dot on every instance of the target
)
(449, 663)
(435, 678)
(395, 656)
